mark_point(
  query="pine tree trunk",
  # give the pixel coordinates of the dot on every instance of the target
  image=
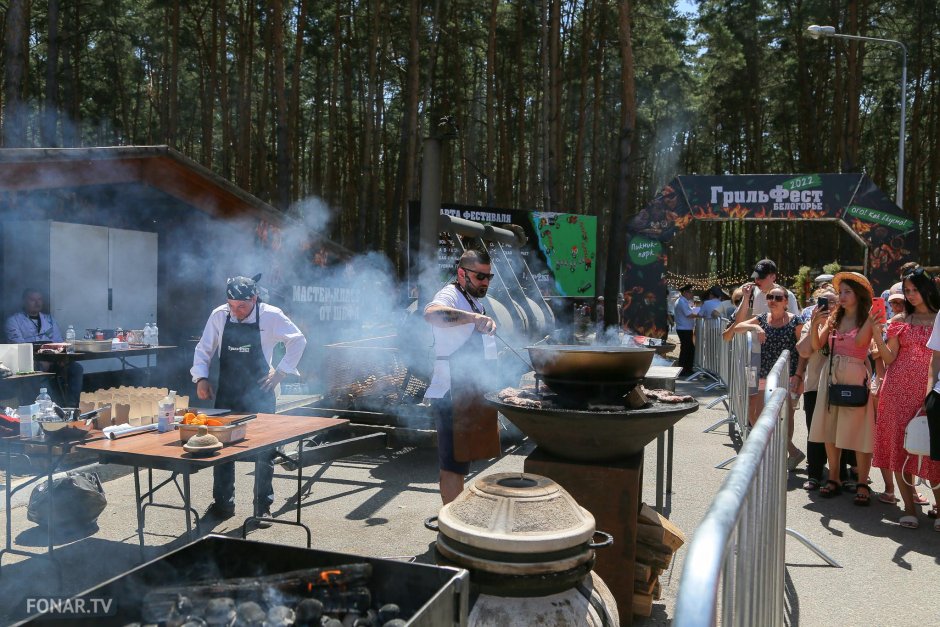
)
(50, 118)
(15, 73)
(283, 157)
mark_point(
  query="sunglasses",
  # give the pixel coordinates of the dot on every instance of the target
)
(481, 276)
(776, 297)
(918, 271)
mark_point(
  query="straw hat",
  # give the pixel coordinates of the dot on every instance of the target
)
(853, 276)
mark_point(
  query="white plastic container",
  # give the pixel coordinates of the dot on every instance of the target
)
(166, 410)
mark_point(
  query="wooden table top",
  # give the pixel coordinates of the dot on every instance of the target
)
(165, 450)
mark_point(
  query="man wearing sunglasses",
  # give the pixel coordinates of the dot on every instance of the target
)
(463, 343)
(763, 279)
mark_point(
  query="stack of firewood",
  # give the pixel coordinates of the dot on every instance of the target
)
(657, 540)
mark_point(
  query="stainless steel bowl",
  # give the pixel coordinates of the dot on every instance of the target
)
(67, 427)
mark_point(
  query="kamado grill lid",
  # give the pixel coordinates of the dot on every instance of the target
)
(516, 513)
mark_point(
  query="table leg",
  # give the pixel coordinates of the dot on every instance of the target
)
(150, 485)
(8, 500)
(187, 504)
(140, 510)
(50, 524)
(300, 467)
(670, 441)
(660, 462)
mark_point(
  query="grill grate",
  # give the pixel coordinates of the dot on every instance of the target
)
(370, 374)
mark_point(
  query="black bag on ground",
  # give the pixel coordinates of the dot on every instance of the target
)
(79, 500)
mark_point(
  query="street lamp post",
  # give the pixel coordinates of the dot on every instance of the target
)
(816, 32)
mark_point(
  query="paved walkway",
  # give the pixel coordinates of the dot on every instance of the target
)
(375, 505)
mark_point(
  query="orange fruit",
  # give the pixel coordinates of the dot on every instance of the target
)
(200, 419)
(188, 418)
(212, 422)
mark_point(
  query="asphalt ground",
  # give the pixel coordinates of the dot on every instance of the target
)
(375, 504)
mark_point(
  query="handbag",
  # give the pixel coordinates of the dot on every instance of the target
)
(917, 444)
(842, 394)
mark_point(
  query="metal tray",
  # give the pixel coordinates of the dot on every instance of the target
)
(429, 596)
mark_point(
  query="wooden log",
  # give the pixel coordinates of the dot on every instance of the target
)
(657, 590)
(642, 604)
(654, 558)
(646, 587)
(650, 524)
(642, 572)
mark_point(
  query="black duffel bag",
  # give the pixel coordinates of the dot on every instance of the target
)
(79, 500)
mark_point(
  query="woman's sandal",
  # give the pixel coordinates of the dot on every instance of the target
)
(933, 513)
(888, 497)
(920, 499)
(830, 489)
(811, 484)
(909, 522)
(862, 499)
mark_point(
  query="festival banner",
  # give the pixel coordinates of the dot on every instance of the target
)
(853, 199)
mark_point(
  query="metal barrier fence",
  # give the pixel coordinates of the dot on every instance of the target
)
(739, 546)
(709, 359)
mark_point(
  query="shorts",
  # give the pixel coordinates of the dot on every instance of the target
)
(442, 410)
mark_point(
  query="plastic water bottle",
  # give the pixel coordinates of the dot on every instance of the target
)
(156, 335)
(45, 404)
(148, 334)
(70, 338)
(166, 409)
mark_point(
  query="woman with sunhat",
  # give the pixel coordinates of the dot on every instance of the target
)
(847, 333)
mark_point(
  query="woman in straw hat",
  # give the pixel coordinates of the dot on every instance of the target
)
(847, 333)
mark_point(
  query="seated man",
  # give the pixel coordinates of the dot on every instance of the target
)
(32, 325)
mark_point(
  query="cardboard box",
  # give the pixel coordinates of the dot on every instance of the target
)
(17, 357)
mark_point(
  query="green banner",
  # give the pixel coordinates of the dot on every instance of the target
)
(868, 214)
(644, 251)
(802, 182)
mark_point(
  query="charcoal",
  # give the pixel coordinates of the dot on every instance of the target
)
(193, 621)
(331, 622)
(220, 612)
(308, 613)
(395, 622)
(249, 614)
(280, 616)
(388, 612)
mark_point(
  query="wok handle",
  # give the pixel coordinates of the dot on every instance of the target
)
(431, 523)
(607, 541)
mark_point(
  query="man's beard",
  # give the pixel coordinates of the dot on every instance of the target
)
(477, 291)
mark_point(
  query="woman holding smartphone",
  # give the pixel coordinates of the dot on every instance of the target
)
(907, 358)
(847, 334)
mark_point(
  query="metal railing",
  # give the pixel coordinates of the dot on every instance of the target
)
(708, 361)
(739, 546)
(735, 563)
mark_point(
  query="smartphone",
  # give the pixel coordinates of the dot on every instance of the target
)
(822, 303)
(878, 307)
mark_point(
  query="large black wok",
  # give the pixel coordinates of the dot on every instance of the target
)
(585, 371)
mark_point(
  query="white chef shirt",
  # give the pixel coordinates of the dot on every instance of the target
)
(934, 344)
(275, 327)
(448, 340)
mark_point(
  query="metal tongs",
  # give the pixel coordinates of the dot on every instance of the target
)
(239, 421)
(88, 416)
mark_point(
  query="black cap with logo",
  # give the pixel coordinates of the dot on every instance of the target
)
(763, 268)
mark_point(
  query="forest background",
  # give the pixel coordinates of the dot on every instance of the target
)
(583, 106)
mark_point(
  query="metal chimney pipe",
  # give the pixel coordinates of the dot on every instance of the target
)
(430, 213)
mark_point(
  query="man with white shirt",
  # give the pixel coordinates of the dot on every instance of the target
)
(242, 334)
(463, 341)
(763, 279)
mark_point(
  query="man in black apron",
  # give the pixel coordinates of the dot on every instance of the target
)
(245, 331)
(463, 334)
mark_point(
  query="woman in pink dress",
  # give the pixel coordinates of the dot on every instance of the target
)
(907, 357)
(847, 333)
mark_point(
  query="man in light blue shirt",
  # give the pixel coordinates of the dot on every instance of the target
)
(685, 323)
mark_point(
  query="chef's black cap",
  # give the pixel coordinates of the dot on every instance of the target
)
(242, 287)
